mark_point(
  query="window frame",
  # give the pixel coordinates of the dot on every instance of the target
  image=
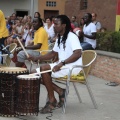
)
(51, 3)
(83, 4)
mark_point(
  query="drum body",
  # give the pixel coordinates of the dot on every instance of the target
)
(28, 95)
(8, 82)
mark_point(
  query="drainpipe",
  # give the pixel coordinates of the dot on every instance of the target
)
(32, 8)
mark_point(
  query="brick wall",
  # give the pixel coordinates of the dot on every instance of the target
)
(107, 66)
(105, 9)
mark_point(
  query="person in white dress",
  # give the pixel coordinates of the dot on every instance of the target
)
(49, 27)
(27, 33)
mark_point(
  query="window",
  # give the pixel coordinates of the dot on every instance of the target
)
(83, 4)
(50, 3)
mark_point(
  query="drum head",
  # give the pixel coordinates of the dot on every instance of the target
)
(12, 69)
(28, 77)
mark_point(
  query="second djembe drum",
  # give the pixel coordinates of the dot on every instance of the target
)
(28, 95)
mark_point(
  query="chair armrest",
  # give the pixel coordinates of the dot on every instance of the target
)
(4, 55)
(64, 67)
(13, 47)
(83, 66)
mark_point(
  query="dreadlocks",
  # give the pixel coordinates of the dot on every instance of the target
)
(64, 20)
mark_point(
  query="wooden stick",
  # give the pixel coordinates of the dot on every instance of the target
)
(41, 72)
(47, 71)
(23, 48)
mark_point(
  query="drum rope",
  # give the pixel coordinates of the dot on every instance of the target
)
(48, 117)
(50, 114)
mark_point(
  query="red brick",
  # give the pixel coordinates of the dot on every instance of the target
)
(107, 68)
(105, 9)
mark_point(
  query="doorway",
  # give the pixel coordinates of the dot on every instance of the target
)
(21, 13)
(49, 13)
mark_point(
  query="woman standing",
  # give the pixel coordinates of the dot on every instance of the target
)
(49, 27)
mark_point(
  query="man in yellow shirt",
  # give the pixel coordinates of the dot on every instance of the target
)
(3, 31)
(39, 43)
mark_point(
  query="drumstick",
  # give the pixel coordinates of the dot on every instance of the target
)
(64, 67)
(23, 48)
(41, 72)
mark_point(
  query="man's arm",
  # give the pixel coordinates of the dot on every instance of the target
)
(93, 32)
(48, 56)
(34, 47)
(74, 57)
(93, 36)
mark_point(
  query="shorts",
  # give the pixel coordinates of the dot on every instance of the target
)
(62, 72)
(21, 56)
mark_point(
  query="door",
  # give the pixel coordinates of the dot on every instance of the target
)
(21, 13)
(49, 13)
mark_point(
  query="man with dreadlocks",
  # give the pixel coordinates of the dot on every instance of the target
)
(67, 49)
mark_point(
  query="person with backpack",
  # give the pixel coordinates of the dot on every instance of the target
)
(94, 20)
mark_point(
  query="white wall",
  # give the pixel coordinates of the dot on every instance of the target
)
(10, 6)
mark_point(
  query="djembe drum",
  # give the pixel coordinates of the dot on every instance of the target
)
(28, 95)
(8, 81)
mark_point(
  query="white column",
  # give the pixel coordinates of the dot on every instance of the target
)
(32, 8)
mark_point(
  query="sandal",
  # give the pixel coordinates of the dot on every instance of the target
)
(61, 99)
(112, 84)
(48, 107)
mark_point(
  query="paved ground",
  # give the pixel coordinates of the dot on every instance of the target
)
(107, 98)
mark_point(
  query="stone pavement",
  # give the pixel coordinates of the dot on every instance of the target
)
(107, 98)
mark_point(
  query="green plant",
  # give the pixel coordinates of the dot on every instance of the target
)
(116, 42)
(108, 41)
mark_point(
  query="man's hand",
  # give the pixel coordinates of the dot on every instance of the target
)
(55, 59)
(30, 42)
(57, 67)
(81, 34)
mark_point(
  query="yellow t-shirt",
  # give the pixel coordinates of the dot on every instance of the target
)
(3, 28)
(41, 37)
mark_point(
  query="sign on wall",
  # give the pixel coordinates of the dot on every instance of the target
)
(117, 28)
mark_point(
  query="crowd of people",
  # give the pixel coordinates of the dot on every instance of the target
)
(23, 28)
(70, 39)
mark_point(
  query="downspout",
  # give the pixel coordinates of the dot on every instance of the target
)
(32, 8)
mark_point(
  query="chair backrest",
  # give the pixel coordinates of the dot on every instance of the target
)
(11, 49)
(88, 57)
